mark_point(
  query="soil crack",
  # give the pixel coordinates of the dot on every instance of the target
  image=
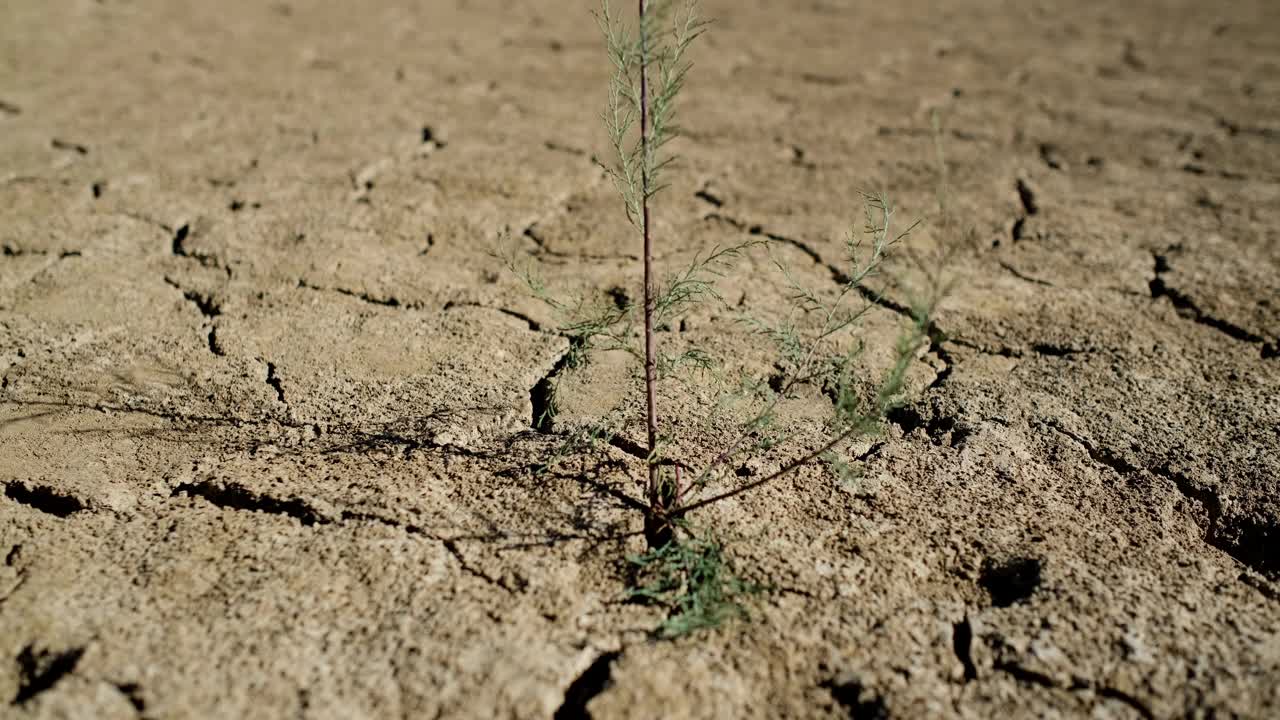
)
(1023, 276)
(209, 307)
(532, 234)
(1028, 676)
(75, 147)
(597, 678)
(962, 644)
(237, 497)
(12, 251)
(1027, 198)
(40, 671)
(133, 693)
(858, 701)
(273, 379)
(388, 301)
(1188, 308)
(542, 396)
(534, 325)
(452, 546)
(1100, 456)
(1244, 539)
(178, 245)
(44, 499)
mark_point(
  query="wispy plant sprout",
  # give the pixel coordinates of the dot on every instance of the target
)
(649, 69)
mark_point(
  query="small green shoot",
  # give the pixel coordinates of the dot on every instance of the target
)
(695, 582)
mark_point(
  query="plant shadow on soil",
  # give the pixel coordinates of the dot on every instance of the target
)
(599, 512)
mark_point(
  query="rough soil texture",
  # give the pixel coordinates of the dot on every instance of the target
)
(265, 425)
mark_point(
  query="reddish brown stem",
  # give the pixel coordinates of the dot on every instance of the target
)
(661, 500)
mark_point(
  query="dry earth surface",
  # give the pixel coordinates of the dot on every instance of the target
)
(265, 425)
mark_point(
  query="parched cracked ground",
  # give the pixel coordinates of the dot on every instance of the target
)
(267, 402)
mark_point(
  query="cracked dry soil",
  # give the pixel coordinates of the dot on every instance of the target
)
(265, 420)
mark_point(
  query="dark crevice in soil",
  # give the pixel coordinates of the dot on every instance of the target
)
(532, 234)
(353, 516)
(214, 346)
(620, 297)
(543, 249)
(1050, 156)
(273, 380)
(1124, 697)
(1233, 129)
(962, 645)
(237, 497)
(1015, 233)
(205, 303)
(429, 137)
(1205, 497)
(449, 544)
(1041, 349)
(857, 700)
(40, 671)
(43, 498)
(22, 580)
(872, 451)
(1028, 676)
(1268, 590)
(1024, 674)
(594, 680)
(1251, 540)
(1248, 540)
(390, 301)
(534, 325)
(1027, 197)
(179, 238)
(12, 251)
(8, 108)
(77, 148)
(554, 146)
(208, 307)
(838, 276)
(634, 449)
(753, 229)
(178, 245)
(1102, 456)
(1188, 308)
(948, 363)
(542, 397)
(1049, 350)
(133, 693)
(942, 429)
(1010, 581)
(452, 547)
(1021, 275)
(708, 197)
(1196, 169)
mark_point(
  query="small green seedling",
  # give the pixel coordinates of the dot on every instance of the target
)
(682, 570)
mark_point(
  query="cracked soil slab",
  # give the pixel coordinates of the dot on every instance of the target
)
(270, 405)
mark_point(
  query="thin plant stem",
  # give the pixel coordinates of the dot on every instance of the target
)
(658, 500)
